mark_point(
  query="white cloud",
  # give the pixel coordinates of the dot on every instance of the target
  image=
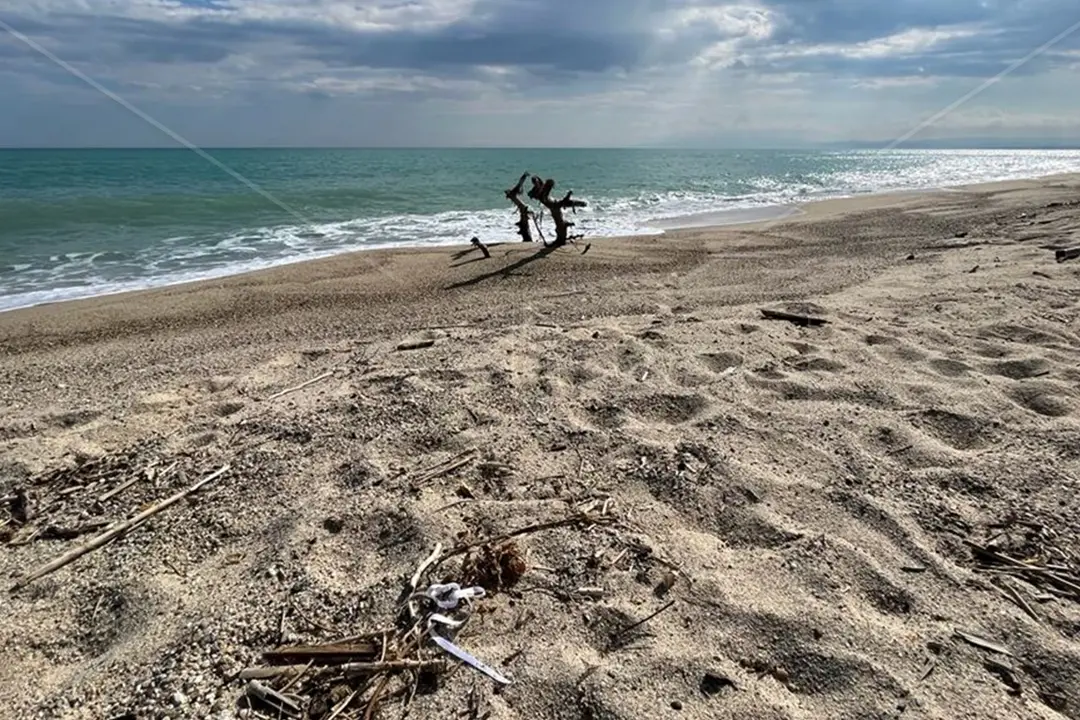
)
(908, 42)
(740, 21)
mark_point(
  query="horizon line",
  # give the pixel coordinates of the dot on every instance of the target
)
(984, 144)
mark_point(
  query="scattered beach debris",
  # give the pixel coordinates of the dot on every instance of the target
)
(308, 383)
(357, 674)
(1004, 672)
(274, 701)
(418, 344)
(1067, 254)
(928, 667)
(116, 531)
(806, 320)
(494, 566)
(1046, 565)
(446, 467)
(983, 643)
(582, 519)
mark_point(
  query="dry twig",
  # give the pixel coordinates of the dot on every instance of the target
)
(116, 531)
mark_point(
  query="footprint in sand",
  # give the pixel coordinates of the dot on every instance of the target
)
(950, 368)
(874, 340)
(814, 364)
(1045, 399)
(745, 529)
(1021, 369)
(906, 353)
(961, 432)
(804, 348)
(667, 408)
(1019, 334)
(73, 419)
(226, 409)
(721, 362)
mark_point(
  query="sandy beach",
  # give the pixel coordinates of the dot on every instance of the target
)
(873, 517)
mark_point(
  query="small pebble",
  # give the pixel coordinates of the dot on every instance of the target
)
(676, 705)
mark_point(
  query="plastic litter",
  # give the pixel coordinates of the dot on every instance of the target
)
(470, 660)
(448, 597)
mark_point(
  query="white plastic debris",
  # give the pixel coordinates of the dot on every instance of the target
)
(447, 597)
(450, 595)
(468, 659)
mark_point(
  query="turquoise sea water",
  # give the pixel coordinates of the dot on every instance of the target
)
(75, 223)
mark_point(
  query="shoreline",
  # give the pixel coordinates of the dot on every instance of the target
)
(743, 218)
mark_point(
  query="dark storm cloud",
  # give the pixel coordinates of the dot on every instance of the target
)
(591, 36)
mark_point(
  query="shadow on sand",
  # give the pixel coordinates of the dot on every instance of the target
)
(504, 271)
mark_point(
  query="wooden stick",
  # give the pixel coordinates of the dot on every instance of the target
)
(568, 522)
(115, 531)
(793, 318)
(447, 466)
(639, 623)
(347, 669)
(1013, 594)
(330, 654)
(301, 386)
(117, 490)
(430, 560)
(416, 344)
(344, 704)
(296, 678)
(414, 581)
(272, 699)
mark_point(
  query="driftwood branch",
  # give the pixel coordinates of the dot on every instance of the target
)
(524, 213)
(483, 248)
(1067, 254)
(116, 531)
(541, 192)
(793, 318)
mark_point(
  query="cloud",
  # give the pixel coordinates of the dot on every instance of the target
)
(812, 66)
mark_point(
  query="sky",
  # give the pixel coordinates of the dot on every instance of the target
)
(527, 73)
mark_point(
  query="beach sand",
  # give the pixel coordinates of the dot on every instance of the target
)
(810, 490)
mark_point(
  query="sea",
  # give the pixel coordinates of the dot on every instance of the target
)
(79, 223)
